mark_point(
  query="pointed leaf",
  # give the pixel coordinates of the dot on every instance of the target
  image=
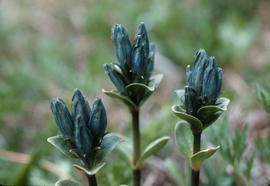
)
(181, 95)
(199, 157)
(94, 170)
(184, 139)
(63, 145)
(151, 149)
(68, 182)
(195, 124)
(109, 142)
(125, 99)
(209, 114)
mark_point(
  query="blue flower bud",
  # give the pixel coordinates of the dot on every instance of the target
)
(140, 52)
(191, 102)
(115, 77)
(80, 106)
(211, 82)
(98, 121)
(82, 137)
(122, 46)
(63, 118)
(151, 60)
(188, 76)
(198, 70)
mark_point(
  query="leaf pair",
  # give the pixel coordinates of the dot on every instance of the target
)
(136, 89)
(205, 115)
(184, 141)
(109, 142)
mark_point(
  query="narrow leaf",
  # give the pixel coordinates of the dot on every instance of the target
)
(151, 149)
(117, 95)
(199, 157)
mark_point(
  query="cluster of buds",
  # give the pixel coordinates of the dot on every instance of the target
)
(200, 104)
(85, 128)
(132, 76)
(203, 83)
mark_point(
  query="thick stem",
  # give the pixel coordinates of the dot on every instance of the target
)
(136, 146)
(195, 175)
(92, 181)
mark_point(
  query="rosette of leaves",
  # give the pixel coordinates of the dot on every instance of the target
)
(83, 136)
(200, 105)
(132, 75)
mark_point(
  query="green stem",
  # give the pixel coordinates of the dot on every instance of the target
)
(136, 146)
(195, 175)
(92, 181)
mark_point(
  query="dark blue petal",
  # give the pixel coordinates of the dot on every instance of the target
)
(219, 81)
(98, 121)
(122, 46)
(210, 82)
(151, 61)
(191, 102)
(83, 137)
(115, 78)
(80, 106)
(140, 53)
(200, 64)
(63, 118)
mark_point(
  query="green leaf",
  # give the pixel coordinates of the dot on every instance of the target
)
(195, 124)
(181, 95)
(63, 145)
(109, 142)
(117, 95)
(199, 157)
(67, 182)
(209, 114)
(151, 149)
(184, 139)
(126, 148)
(145, 90)
(94, 170)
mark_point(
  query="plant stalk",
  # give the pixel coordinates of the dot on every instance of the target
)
(136, 146)
(195, 175)
(92, 181)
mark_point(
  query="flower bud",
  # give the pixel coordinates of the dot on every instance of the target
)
(115, 77)
(151, 60)
(63, 118)
(211, 82)
(80, 106)
(140, 52)
(122, 46)
(83, 137)
(198, 70)
(98, 121)
(191, 100)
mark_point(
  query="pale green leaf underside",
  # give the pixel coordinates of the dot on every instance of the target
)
(184, 139)
(199, 157)
(126, 147)
(62, 145)
(151, 149)
(68, 182)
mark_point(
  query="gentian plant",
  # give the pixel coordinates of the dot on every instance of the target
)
(83, 136)
(134, 83)
(200, 106)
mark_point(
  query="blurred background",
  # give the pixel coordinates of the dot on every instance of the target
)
(48, 48)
